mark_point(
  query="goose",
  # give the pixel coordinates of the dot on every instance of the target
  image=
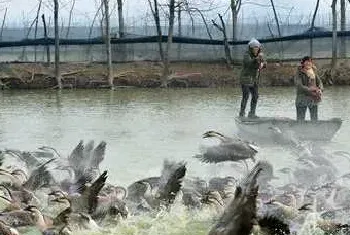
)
(8, 203)
(19, 218)
(6, 229)
(330, 227)
(287, 212)
(85, 199)
(229, 149)
(240, 214)
(268, 225)
(156, 193)
(214, 200)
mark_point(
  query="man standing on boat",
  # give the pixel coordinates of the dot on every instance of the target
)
(253, 62)
(309, 90)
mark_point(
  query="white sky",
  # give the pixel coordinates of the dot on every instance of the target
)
(20, 11)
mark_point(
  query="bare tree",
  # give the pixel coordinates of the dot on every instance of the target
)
(334, 38)
(46, 38)
(36, 27)
(70, 18)
(342, 27)
(155, 13)
(24, 56)
(312, 26)
(108, 43)
(276, 18)
(179, 32)
(166, 70)
(204, 21)
(90, 30)
(121, 28)
(57, 47)
(278, 27)
(121, 19)
(222, 28)
(3, 24)
(235, 7)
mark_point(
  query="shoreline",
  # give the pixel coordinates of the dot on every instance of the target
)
(146, 74)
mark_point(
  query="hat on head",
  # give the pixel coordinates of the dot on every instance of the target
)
(305, 58)
(254, 43)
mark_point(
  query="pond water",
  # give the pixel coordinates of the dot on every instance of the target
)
(142, 127)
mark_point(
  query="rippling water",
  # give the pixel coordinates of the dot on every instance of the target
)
(142, 127)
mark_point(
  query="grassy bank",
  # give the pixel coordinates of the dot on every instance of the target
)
(147, 74)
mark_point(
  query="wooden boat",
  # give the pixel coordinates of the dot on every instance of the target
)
(260, 128)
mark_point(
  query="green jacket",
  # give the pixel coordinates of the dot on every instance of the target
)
(250, 73)
(304, 96)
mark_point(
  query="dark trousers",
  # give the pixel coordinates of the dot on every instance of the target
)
(301, 112)
(246, 90)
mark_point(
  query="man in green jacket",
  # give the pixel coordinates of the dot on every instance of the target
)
(253, 62)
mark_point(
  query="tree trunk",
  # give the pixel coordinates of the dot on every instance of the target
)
(155, 13)
(89, 54)
(342, 28)
(46, 38)
(36, 28)
(70, 19)
(24, 56)
(235, 7)
(334, 39)
(205, 23)
(108, 44)
(313, 25)
(166, 71)
(2, 24)
(278, 28)
(121, 19)
(121, 28)
(222, 28)
(179, 32)
(57, 48)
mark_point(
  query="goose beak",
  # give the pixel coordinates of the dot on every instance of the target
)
(205, 135)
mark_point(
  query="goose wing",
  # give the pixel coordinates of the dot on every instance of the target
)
(98, 155)
(95, 190)
(80, 185)
(239, 216)
(76, 158)
(39, 177)
(171, 181)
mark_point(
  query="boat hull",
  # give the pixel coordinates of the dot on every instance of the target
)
(260, 128)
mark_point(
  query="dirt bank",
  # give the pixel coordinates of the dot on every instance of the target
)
(147, 74)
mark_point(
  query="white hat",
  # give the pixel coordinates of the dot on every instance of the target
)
(254, 43)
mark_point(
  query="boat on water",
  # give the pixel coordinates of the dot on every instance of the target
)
(260, 128)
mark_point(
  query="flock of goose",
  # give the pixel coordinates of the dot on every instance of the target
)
(62, 195)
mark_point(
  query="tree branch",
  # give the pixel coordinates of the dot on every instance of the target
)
(314, 15)
(217, 26)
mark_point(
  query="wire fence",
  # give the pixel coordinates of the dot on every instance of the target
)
(291, 49)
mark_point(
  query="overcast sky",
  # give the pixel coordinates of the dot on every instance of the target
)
(20, 11)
